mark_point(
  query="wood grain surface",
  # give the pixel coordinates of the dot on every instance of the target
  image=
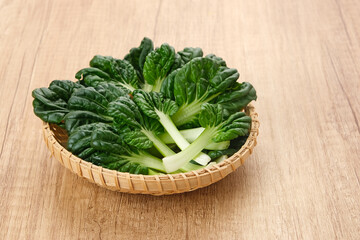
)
(302, 182)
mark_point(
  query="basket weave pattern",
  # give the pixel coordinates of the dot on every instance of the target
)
(56, 138)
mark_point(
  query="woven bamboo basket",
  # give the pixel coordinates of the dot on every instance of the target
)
(56, 139)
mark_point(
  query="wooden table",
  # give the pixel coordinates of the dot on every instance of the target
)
(302, 181)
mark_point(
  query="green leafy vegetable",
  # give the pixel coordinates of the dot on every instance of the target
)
(87, 106)
(218, 60)
(125, 114)
(99, 144)
(91, 71)
(237, 97)
(116, 149)
(50, 104)
(157, 66)
(120, 71)
(217, 129)
(137, 56)
(198, 82)
(79, 142)
(114, 154)
(64, 88)
(189, 53)
(140, 130)
(111, 91)
(185, 56)
(155, 106)
(218, 153)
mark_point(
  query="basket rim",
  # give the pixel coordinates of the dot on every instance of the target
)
(242, 154)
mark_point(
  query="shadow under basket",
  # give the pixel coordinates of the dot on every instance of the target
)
(56, 138)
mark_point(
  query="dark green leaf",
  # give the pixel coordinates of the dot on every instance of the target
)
(198, 82)
(48, 114)
(80, 138)
(238, 142)
(94, 80)
(211, 115)
(131, 122)
(125, 111)
(64, 88)
(88, 99)
(48, 105)
(158, 64)
(83, 73)
(218, 60)
(78, 118)
(177, 63)
(138, 140)
(119, 70)
(237, 97)
(111, 91)
(86, 153)
(218, 153)
(108, 160)
(108, 141)
(238, 124)
(152, 101)
(137, 56)
(190, 53)
(49, 98)
(167, 87)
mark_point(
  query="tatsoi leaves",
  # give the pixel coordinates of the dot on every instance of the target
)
(237, 97)
(91, 71)
(191, 90)
(88, 99)
(125, 111)
(198, 82)
(118, 163)
(110, 143)
(137, 56)
(155, 106)
(64, 88)
(217, 59)
(138, 130)
(106, 140)
(99, 144)
(51, 114)
(218, 153)
(189, 53)
(111, 91)
(86, 106)
(109, 69)
(185, 56)
(152, 102)
(137, 139)
(157, 66)
(50, 104)
(119, 70)
(202, 79)
(79, 142)
(212, 116)
(123, 114)
(167, 88)
(177, 63)
(217, 128)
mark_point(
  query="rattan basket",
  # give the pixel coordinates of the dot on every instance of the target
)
(56, 138)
